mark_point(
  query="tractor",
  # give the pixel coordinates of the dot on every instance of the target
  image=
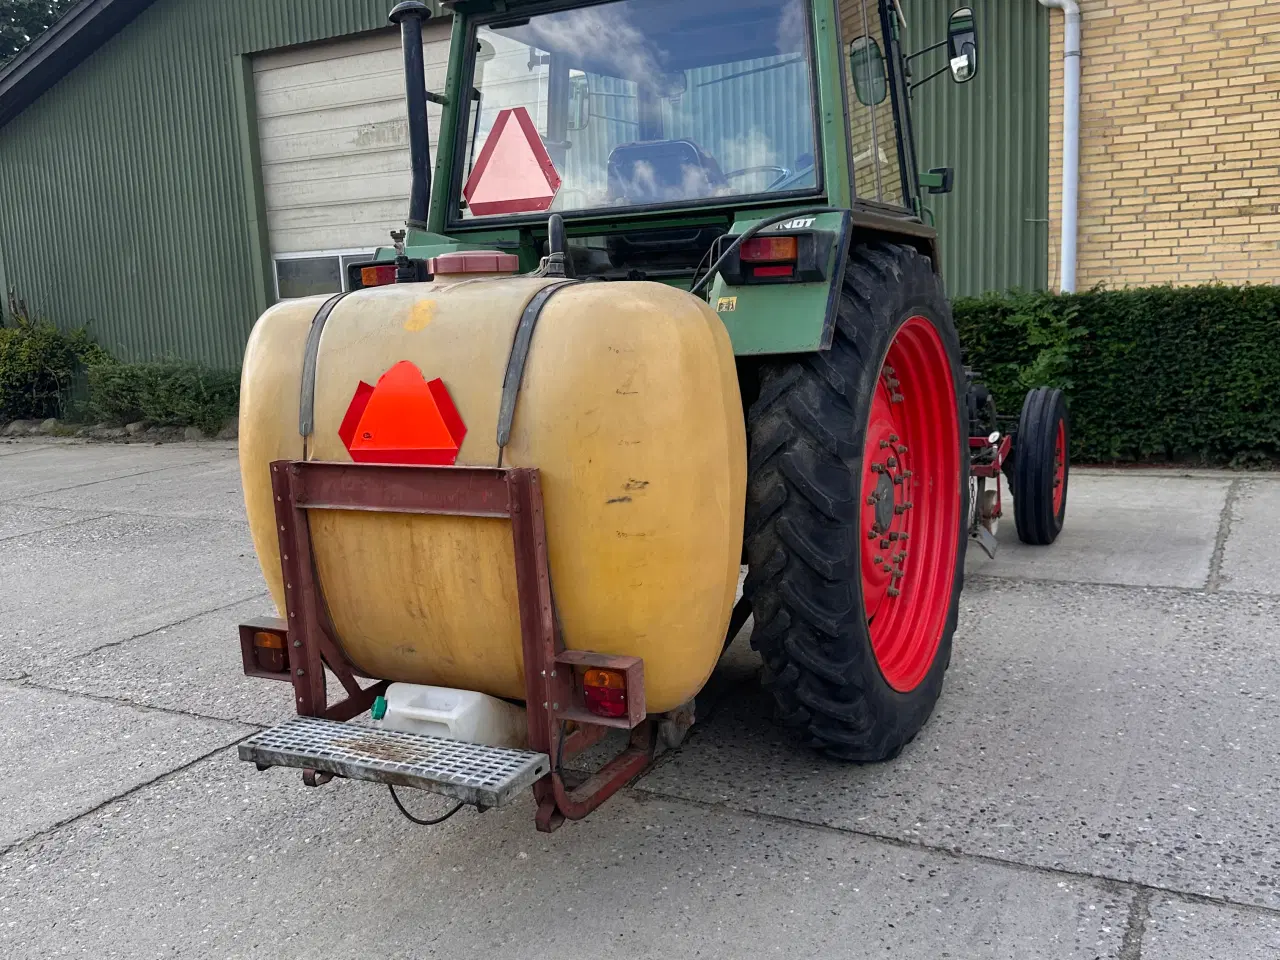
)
(667, 307)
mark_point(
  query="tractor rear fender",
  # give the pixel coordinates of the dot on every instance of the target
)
(785, 315)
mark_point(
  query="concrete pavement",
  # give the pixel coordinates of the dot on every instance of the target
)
(1099, 779)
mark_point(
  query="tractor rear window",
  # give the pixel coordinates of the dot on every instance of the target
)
(640, 103)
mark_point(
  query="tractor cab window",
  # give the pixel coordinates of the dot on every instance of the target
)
(873, 129)
(636, 103)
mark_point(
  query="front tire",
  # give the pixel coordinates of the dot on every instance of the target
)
(856, 502)
(1041, 467)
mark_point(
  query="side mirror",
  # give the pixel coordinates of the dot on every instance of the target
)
(866, 62)
(962, 45)
(579, 101)
(673, 86)
(939, 180)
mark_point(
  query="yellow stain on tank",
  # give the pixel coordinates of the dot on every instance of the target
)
(422, 313)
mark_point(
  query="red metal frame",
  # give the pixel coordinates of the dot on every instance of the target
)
(553, 696)
(992, 470)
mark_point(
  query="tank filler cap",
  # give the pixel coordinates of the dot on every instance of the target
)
(379, 708)
(473, 262)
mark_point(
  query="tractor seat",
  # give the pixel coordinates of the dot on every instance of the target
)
(659, 171)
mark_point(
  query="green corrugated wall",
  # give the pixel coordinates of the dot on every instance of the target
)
(994, 131)
(123, 197)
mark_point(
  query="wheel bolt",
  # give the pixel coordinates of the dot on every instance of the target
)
(884, 444)
(877, 559)
(902, 448)
(893, 438)
(892, 461)
(871, 534)
(894, 592)
(896, 398)
(895, 536)
(877, 468)
(871, 500)
(884, 544)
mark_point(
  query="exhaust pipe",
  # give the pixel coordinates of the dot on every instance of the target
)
(409, 16)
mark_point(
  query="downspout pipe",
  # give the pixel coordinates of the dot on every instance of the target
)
(1070, 140)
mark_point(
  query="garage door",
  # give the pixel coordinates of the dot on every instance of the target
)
(335, 151)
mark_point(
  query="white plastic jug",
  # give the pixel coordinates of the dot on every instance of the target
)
(456, 714)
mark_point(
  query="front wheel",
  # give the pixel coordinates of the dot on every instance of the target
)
(1041, 467)
(856, 505)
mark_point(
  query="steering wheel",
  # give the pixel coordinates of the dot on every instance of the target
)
(782, 172)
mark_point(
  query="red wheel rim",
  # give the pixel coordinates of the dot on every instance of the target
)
(1059, 468)
(910, 522)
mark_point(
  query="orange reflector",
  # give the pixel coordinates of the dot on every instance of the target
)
(612, 679)
(272, 641)
(377, 276)
(769, 250)
(404, 419)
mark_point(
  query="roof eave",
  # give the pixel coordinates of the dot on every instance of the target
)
(60, 49)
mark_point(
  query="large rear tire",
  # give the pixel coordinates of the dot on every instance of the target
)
(856, 506)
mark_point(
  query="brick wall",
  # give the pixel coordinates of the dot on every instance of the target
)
(1180, 142)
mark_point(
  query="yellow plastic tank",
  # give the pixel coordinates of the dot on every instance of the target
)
(629, 409)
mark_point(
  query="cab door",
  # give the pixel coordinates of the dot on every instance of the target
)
(874, 91)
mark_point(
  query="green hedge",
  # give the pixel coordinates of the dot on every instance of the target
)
(1163, 373)
(40, 367)
(164, 393)
(47, 373)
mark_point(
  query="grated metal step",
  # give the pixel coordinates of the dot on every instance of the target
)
(472, 773)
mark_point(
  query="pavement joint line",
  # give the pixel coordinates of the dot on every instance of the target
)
(110, 644)
(1172, 473)
(56, 526)
(90, 483)
(45, 833)
(197, 517)
(1136, 928)
(1113, 884)
(1162, 588)
(29, 448)
(1214, 581)
(30, 683)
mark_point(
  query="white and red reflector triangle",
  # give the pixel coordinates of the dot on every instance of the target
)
(514, 173)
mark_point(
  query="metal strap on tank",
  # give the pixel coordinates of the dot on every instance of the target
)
(518, 356)
(307, 402)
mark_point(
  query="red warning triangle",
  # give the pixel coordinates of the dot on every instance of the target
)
(514, 173)
(404, 419)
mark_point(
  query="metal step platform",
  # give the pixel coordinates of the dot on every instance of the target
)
(472, 773)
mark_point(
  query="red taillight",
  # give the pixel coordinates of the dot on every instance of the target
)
(605, 692)
(769, 250)
(269, 652)
(378, 276)
(782, 270)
